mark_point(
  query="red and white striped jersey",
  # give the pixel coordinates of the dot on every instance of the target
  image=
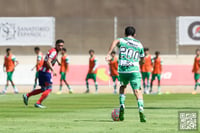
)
(52, 53)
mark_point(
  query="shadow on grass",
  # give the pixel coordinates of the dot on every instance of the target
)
(170, 108)
(93, 121)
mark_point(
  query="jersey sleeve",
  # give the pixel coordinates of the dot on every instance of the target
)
(141, 52)
(67, 60)
(13, 58)
(95, 64)
(118, 45)
(161, 62)
(39, 57)
(52, 54)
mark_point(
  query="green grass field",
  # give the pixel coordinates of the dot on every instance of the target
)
(90, 113)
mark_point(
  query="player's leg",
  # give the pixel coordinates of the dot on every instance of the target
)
(114, 84)
(35, 83)
(61, 79)
(135, 82)
(94, 77)
(148, 81)
(87, 84)
(66, 83)
(43, 97)
(122, 97)
(151, 85)
(46, 88)
(12, 83)
(159, 88)
(196, 78)
(7, 83)
(143, 80)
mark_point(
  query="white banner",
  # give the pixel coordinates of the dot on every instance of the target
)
(188, 30)
(27, 31)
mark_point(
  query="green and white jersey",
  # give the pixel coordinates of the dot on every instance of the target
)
(130, 51)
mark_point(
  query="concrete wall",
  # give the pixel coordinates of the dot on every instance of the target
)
(86, 24)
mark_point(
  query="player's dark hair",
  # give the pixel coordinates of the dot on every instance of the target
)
(59, 41)
(157, 53)
(64, 49)
(130, 30)
(113, 52)
(91, 50)
(198, 49)
(146, 49)
(36, 48)
(8, 49)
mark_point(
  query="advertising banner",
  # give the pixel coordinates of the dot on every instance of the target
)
(172, 75)
(27, 31)
(188, 30)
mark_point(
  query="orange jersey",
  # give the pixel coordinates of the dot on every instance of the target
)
(147, 66)
(92, 65)
(196, 64)
(64, 63)
(113, 63)
(157, 65)
(40, 59)
(9, 63)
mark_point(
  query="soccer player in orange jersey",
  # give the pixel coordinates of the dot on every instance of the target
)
(157, 70)
(10, 63)
(64, 69)
(92, 72)
(146, 70)
(113, 64)
(196, 70)
(39, 63)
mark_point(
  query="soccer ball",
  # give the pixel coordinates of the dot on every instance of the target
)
(115, 115)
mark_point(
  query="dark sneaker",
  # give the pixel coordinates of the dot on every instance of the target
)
(142, 117)
(25, 99)
(40, 106)
(87, 91)
(121, 113)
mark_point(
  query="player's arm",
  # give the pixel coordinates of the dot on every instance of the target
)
(15, 61)
(66, 64)
(141, 60)
(161, 65)
(50, 66)
(4, 65)
(141, 53)
(112, 46)
(95, 65)
(58, 62)
(39, 58)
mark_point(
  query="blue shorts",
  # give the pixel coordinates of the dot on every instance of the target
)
(45, 80)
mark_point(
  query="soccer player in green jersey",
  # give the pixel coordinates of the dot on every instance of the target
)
(130, 53)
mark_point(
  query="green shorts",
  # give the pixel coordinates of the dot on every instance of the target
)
(37, 74)
(91, 76)
(115, 77)
(146, 75)
(133, 78)
(154, 77)
(62, 76)
(9, 76)
(196, 76)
